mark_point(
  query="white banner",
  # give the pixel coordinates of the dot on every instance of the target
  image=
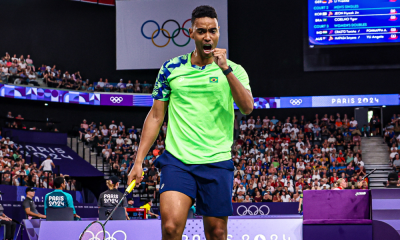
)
(140, 43)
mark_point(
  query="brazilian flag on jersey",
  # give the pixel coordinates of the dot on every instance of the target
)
(213, 80)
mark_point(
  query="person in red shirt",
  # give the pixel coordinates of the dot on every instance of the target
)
(334, 178)
(240, 142)
(340, 158)
(278, 139)
(270, 139)
(286, 139)
(300, 182)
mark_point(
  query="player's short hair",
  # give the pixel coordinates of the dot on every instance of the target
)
(58, 181)
(204, 11)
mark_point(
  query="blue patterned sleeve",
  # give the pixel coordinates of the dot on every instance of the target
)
(162, 90)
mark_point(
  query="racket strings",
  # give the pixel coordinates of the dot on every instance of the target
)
(94, 232)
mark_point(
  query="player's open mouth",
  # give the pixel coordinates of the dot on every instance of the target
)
(207, 48)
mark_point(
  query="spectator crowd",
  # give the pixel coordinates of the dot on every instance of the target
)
(16, 171)
(118, 146)
(275, 160)
(392, 139)
(21, 70)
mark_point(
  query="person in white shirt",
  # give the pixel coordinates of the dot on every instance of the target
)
(112, 125)
(114, 132)
(353, 123)
(243, 127)
(316, 184)
(287, 124)
(316, 175)
(299, 145)
(100, 83)
(285, 196)
(47, 164)
(119, 140)
(291, 188)
(269, 149)
(300, 165)
(128, 141)
(359, 162)
(294, 129)
(286, 129)
(266, 120)
(303, 150)
(251, 120)
(288, 182)
(331, 139)
(285, 150)
(88, 136)
(241, 190)
(121, 84)
(132, 135)
(104, 131)
(393, 151)
(5, 69)
(129, 84)
(254, 150)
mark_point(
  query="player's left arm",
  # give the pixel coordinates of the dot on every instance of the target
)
(242, 96)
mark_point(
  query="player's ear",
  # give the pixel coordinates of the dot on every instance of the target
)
(191, 33)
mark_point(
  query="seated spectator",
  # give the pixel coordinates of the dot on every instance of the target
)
(137, 87)
(121, 85)
(241, 193)
(100, 85)
(396, 163)
(331, 139)
(365, 131)
(356, 133)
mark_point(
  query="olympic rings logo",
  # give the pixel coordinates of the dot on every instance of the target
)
(116, 99)
(296, 101)
(166, 34)
(108, 236)
(257, 211)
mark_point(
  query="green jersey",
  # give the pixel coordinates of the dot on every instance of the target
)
(200, 110)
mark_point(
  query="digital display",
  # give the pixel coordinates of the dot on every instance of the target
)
(349, 22)
(136, 213)
(340, 101)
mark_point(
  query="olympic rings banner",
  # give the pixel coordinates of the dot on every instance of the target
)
(152, 32)
(265, 208)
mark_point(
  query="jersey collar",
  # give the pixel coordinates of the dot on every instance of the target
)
(195, 66)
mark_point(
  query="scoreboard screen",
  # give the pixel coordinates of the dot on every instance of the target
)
(353, 22)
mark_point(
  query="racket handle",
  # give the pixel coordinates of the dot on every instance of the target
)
(132, 185)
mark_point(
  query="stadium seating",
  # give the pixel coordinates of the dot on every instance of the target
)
(275, 159)
(18, 70)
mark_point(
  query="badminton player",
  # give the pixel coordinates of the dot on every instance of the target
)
(198, 89)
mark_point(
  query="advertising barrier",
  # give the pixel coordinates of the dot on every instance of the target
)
(145, 100)
(243, 229)
(265, 208)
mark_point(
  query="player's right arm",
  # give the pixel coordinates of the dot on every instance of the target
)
(150, 131)
(154, 120)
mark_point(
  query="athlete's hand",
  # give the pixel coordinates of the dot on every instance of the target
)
(219, 55)
(135, 174)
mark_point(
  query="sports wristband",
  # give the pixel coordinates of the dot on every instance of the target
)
(227, 71)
